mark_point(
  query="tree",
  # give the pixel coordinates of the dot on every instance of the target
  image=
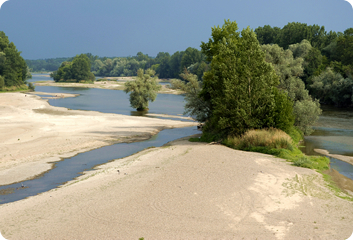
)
(190, 56)
(144, 89)
(289, 70)
(194, 106)
(13, 67)
(345, 47)
(267, 34)
(77, 70)
(239, 87)
(300, 49)
(81, 68)
(331, 88)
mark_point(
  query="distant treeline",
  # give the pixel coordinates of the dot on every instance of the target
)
(326, 59)
(165, 65)
(45, 65)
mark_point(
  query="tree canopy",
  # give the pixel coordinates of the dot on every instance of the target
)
(144, 89)
(76, 71)
(13, 68)
(240, 85)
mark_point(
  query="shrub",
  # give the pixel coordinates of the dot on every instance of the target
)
(306, 114)
(31, 86)
(271, 138)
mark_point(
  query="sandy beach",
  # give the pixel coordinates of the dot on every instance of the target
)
(183, 190)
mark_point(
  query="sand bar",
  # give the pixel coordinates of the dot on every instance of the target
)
(110, 83)
(181, 191)
(185, 191)
(33, 133)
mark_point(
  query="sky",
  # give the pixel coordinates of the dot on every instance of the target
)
(118, 28)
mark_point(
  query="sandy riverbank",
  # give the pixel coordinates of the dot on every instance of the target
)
(185, 191)
(114, 83)
(33, 133)
(181, 191)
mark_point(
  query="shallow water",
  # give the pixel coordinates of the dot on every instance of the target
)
(334, 133)
(102, 100)
(70, 168)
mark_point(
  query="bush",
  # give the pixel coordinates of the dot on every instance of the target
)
(306, 114)
(2, 82)
(271, 138)
(283, 112)
(31, 86)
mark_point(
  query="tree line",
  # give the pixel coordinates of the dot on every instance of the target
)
(321, 59)
(164, 64)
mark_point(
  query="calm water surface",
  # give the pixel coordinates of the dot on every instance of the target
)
(70, 168)
(333, 132)
(102, 100)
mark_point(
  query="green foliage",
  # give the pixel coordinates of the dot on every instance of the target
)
(190, 57)
(144, 89)
(331, 88)
(76, 71)
(267, 34)
(2, 82)
(313, 61)
(277, 143)
(295, 134)
(289, 69)
(239, 85)
(13, 67)
(195, 106)
(300, 49)
(45, 65)
(283, 117)
(271, 138)
(31, 86)
(306, 114)
(345, 47)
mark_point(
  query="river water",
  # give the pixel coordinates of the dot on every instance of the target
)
(102, 100)
(334, 133)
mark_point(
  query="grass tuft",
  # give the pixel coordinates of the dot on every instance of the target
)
(271, 138)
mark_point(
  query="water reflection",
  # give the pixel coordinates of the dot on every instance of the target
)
(113, 101)
(334, 133)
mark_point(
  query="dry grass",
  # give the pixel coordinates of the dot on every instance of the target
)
(272, 138)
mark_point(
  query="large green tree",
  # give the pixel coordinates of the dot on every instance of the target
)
(13, 68)
(240, 85)
(144, 89)
(289, 70)
(77, 70)
(194, 106)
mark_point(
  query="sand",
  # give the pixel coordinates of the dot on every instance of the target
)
(34, 134)
(183, 190)
(114, 83)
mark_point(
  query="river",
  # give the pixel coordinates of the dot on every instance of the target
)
(102, 100)
(334, 132)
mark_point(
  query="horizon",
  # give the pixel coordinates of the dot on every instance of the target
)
(43, 29)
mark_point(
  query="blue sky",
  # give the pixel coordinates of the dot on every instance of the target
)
(64, 28)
